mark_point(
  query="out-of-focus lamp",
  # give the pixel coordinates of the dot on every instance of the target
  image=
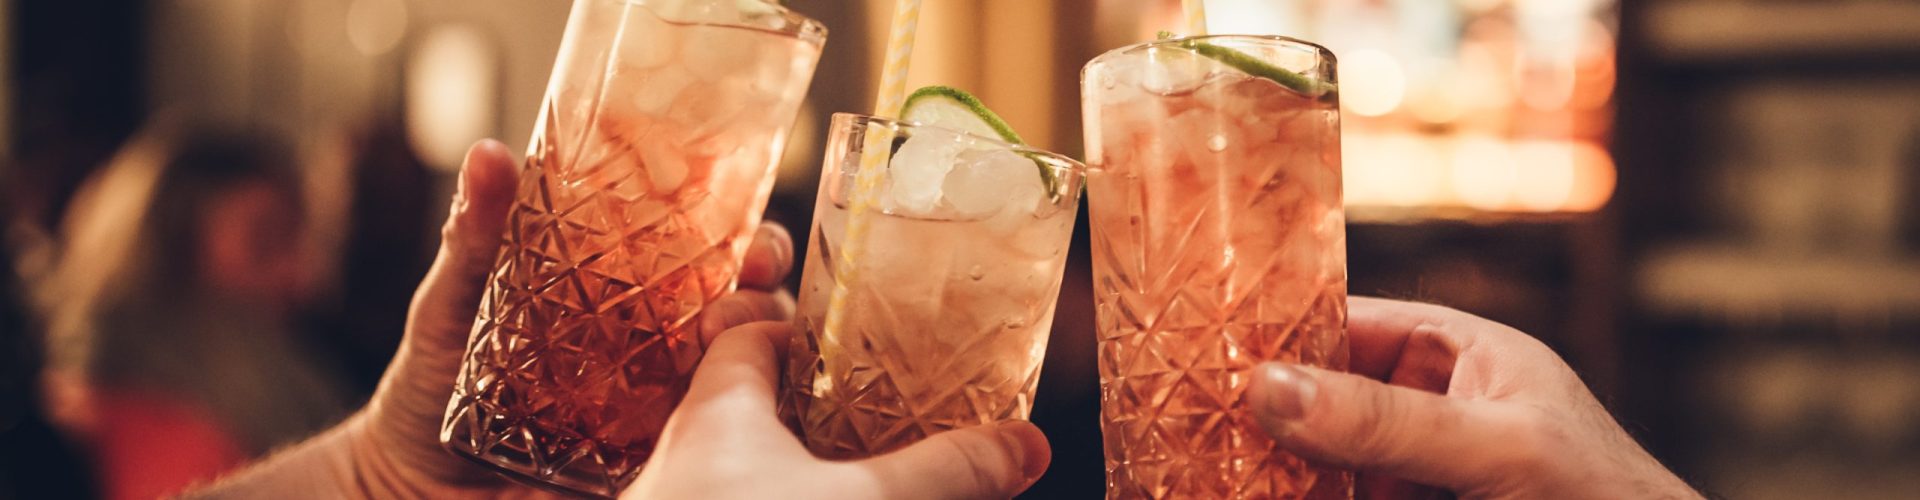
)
(451, 94)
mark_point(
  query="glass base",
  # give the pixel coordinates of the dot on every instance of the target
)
(520, 468)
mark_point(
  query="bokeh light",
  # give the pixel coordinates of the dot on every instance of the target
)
(1372, 83)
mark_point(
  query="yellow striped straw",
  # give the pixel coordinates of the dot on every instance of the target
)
(893, 90)
(1196, 17)
(893, 73)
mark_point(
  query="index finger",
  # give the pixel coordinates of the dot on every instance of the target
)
(769, 258)
(743, 361)
(1379, 330)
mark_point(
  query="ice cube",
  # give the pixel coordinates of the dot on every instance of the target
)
(713, 52)
(1044, 238)
(1171, 70)
(987, 181)
(646, 41)
(669, 10)
(665, 164)
(657, 89)
(920, 167)
(706, 108)
(775, 75)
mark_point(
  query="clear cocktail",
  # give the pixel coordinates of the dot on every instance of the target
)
(1218, 243)
(946, 316)
(647, 175)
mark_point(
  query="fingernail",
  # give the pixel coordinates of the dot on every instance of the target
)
(1285, 393)
(1030, 469)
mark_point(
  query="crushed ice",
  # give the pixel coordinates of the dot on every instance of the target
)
(942, 173)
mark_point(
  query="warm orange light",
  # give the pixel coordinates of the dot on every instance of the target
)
(1372, 83)
(451, 80)
(1594, 80)
(1545, 177)
(1483, 172)
(1398, 170)
(1441, 101)
(375, 27)
(1547, 80)
(1477, 171)
(1594, 178)
(1392, 170)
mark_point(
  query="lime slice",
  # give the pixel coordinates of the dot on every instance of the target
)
(955, 109)
(952, 108)
(1243, 61)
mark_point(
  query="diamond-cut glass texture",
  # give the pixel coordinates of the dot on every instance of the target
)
(647, 174)
(1218, 244)
(946, 316)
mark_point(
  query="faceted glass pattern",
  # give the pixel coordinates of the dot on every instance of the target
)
(1218, 244)
(947, 314)
(646, 177)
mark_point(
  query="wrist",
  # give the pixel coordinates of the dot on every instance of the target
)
(376, 471)
(397, 461)
(323, 466)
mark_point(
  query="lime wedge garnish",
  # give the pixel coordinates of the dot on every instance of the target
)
(955, 109)
(952, 108)
(1243, 61)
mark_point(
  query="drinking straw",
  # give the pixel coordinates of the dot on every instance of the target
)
(1196, 17)
(893, 72)
(886, 104)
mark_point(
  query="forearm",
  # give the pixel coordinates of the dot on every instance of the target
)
(320, 467)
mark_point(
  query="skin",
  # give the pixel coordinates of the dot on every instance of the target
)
(722, 442)
(1438, 399)
(726, 442)
(1443, 400)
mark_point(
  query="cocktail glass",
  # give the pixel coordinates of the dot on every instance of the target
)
(1218, 244)
(947, 311)
(647, 175)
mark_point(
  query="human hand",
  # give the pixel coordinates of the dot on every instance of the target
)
(726, 442)
(1468, 405)
(394, 442)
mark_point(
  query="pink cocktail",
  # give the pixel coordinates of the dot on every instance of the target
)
(950, 304)
(646, 177)
(1218, 244)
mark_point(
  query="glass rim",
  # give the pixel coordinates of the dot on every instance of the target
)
(1056, 161)
(1320, 51)
(797, 25)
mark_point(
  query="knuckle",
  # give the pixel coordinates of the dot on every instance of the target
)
(453, 228)
(456, 210)
(1436, 314)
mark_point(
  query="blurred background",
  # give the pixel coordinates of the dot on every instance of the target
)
(1711, 208)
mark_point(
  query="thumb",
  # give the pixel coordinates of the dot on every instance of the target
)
(1353, 422)
(443, 307)
(420, 377)
(990, 461)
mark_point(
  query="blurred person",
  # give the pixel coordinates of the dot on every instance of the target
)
(170, 354)
(385, 205)
(36, 461)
